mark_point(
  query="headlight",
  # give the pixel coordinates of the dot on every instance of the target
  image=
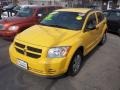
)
(58, 51)
(13, 28)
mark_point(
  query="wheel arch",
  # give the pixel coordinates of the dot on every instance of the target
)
(79, 48)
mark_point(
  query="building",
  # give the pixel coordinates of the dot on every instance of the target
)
(42, 2)
(5, 2)
(98, 4)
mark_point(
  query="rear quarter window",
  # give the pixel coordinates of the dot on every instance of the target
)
(100, 17)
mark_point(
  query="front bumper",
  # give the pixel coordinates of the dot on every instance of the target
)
(7, 33)
(49, 67)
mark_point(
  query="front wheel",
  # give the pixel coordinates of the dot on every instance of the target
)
(75, 64)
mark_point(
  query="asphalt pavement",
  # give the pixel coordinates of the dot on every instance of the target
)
(101, 71)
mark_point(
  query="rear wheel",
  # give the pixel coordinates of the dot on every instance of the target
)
(75, 64)
(119, 31)
(104, 38)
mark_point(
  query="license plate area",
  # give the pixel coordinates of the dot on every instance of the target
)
(22, 64)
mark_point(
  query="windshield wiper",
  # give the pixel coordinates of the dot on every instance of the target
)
(43, 24)
(58, 26)
(54, 25)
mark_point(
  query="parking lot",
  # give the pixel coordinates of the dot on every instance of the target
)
(101, 71)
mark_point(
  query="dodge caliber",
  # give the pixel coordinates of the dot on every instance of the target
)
(58, 44)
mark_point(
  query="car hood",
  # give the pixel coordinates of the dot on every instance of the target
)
(13, 20)
(45, 36)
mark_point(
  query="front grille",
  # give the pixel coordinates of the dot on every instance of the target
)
(19, 50)
(34, 49)
(28, 50)
(19, 45)
(33, 55)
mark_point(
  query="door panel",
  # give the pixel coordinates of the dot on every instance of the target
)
(90, 34)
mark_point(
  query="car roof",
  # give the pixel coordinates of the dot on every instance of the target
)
(81, 10)
(114, 10)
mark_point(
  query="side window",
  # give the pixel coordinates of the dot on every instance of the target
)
(91, 22)
(100, 17)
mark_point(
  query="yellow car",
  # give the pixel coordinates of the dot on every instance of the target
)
(58, 44)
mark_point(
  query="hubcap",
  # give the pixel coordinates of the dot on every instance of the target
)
(76, 63)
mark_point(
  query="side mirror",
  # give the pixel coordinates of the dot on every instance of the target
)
(39, 15)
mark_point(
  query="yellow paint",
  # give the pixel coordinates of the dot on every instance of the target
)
(44, 37)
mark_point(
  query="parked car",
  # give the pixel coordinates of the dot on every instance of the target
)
(113, 20)
(58, 44)
(26, 17)
(12, 11)
(9, 9)
(17, 8)
(7, 14)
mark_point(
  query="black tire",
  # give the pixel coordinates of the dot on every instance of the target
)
(119, 32)
(75, 64)
(104, 38)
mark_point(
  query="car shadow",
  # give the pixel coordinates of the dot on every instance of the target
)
(48, 83)
(86, 58)
(114, 33)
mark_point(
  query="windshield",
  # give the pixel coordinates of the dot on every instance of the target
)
(25, 12)
(17, 8)
(68, 20)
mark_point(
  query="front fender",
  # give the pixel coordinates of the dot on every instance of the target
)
(72, 51)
